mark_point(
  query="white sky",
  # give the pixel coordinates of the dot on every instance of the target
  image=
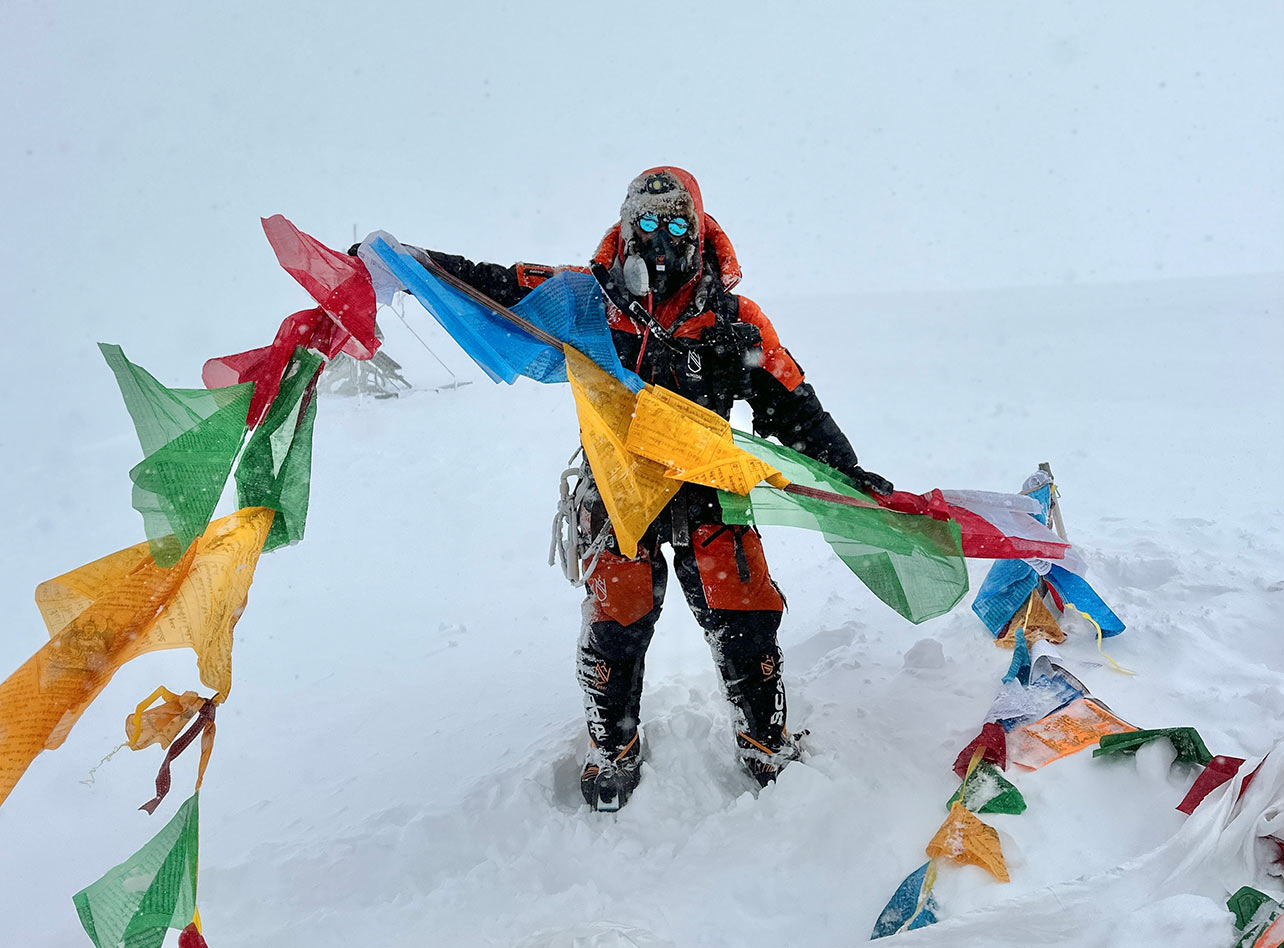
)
(877, 146)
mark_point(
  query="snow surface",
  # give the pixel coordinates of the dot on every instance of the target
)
(396, 764)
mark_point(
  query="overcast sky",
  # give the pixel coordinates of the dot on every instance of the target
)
(876, 146)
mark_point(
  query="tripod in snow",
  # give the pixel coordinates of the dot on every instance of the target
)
(381, 375)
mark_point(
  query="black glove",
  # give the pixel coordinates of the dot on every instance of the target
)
(352, 251)
(869, 482)
(733, 350)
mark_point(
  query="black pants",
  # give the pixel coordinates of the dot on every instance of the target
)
(723, 574)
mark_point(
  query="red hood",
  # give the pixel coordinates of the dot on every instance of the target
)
(611, 250)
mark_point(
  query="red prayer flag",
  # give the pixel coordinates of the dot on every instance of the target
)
(344, 322)
(1216, 772)
(932, 504)
(339, 282)
(995, 741)
(980, 538)
(310, 328)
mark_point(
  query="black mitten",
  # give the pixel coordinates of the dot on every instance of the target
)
(732, 351)
(869, 482)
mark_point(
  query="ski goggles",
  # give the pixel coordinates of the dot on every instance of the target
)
(649, 224)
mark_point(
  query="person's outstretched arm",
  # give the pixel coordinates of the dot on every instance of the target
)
(787, 408)
(505, 285)
(502, 284)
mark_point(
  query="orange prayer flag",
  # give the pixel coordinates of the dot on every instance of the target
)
(41, 701)
(160, 725)
(963, 838)
(1080, 724)
(108, 612)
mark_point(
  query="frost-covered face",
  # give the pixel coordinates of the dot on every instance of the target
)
(658, 221)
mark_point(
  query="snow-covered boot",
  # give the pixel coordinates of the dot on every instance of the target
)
(764, 762)
(611, 775)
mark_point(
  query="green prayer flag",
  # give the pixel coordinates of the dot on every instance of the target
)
(276, 468)
(1245, 903)
(134, 904)
(161, 414)
(190, 438)
(911, 562)
(988, 791)
(1186, 740)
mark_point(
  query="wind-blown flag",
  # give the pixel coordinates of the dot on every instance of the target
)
(633, 488)
(567, 307)
(339, 283)
(115, 609)
(982, 538)
(266, 365)
(152, 891)
(1077, 594)
(1015, 516)
(190, 438)
(694, 444)
(275, 469)
(639, 449)
(343, 322)
(914, 563)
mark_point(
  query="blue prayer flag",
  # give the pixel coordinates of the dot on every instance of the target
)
(1006, 588)
(1077, 593)
(903, 905)
(567, 306)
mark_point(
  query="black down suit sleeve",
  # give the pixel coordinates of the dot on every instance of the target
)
(799, 421)
(498, 282)
(787, 408)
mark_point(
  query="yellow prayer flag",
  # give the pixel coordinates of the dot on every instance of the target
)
(1038, 622)
(108, 612)
(633, 488)
(693, 443)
